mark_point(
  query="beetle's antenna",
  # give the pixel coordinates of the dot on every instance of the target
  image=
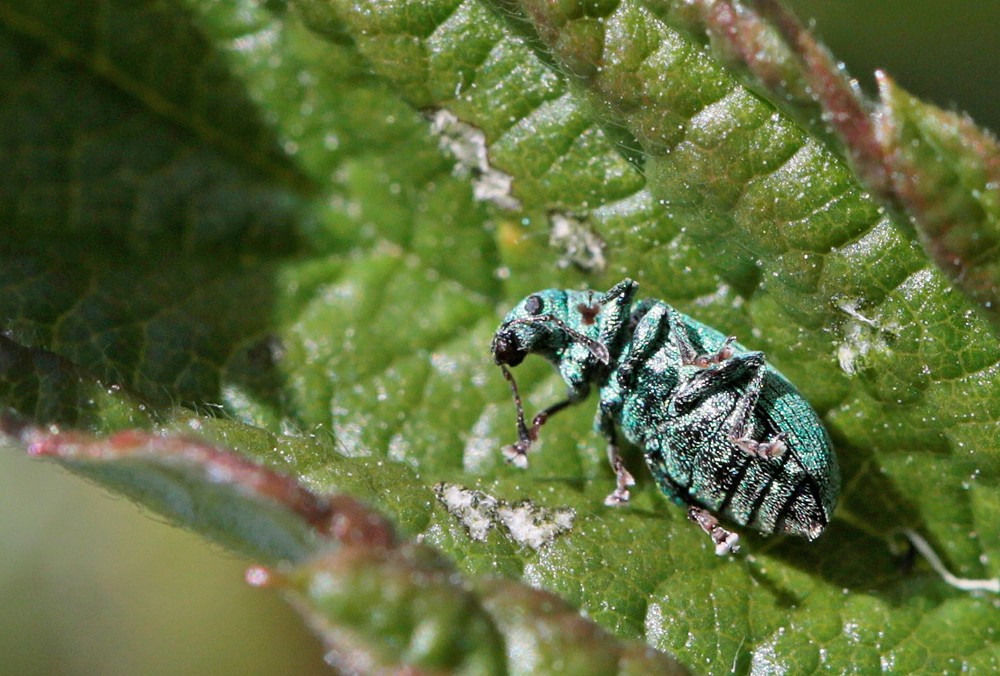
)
(523, 436)
(596, 348)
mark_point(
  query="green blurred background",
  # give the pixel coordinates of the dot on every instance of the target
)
(90, 585)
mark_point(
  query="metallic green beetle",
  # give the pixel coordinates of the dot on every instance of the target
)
(722, 431)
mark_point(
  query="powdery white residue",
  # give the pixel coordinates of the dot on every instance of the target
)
(474, 509)
(766, 660)
(467, 144)
(853, 348)
(723, 294)
(350, 434)
(401, 451)
(526, 523)
(480, 449)
(656, 624)
(581, 246)
(535, 526)
(862, 335)
(641, 202)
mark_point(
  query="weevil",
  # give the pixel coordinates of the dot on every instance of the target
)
(723, 432)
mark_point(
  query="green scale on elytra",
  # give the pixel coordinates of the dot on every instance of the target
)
(722, 431)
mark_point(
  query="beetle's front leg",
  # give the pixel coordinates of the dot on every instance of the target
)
(623, 478)
(517, 454)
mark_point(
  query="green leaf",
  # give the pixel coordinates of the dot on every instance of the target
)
(238, 504)
(946, 171)
(376, 602)
(937, 167)
(295, 243)
(402, 606)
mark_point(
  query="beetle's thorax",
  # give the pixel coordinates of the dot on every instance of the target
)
(581, 332)
(602, 322)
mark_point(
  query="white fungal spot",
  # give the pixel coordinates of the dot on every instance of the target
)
(581, 246)
(524, 522)
(535, 526)
(467, 144)
(474, 509)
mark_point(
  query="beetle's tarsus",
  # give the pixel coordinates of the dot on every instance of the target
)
(623, 479)
(726, 541)
(516, 455)
(774, 448)
(724, 352)
(617, 498)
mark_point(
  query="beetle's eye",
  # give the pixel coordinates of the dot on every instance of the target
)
(507, 349)
(534, 305)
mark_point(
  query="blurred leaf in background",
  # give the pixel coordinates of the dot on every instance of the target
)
(91, 585)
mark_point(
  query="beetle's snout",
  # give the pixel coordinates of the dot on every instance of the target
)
(507, 348)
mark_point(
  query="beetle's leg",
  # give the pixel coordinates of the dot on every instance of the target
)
(614, 306)
(517, 454)
(722, 376)
(740, 422)
(725, 541)
(625, 288)
(724, 352)
(542, 416)
(645, 340)
(623, 479)
(679, 334)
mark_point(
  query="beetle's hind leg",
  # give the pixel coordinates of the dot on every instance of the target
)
(623, 478)
(748, 367)
(740, 422)
(772, 448)
(725, 541)
(724, 352)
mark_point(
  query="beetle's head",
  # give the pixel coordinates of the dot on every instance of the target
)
(538, 324)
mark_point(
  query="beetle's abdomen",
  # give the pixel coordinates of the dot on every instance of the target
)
(693, 459)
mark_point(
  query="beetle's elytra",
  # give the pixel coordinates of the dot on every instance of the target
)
(722, 431)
